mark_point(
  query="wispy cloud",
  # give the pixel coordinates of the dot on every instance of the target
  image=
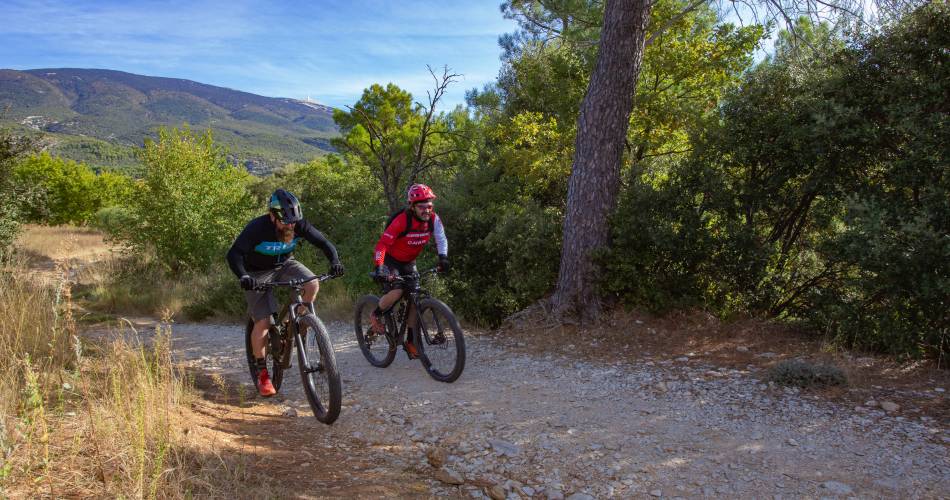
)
(330, 50)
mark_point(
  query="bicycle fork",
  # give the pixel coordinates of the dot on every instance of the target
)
(310, 366)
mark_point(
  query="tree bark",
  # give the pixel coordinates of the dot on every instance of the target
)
(598, 153)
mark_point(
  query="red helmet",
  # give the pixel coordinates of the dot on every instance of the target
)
(420, 192)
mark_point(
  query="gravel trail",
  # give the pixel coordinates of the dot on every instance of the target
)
(519, 425)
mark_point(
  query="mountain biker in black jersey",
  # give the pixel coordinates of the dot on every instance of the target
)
(263, 253)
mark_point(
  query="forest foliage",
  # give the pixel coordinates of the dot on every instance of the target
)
(811, 186)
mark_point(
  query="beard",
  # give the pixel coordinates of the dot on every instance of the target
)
(286, 234)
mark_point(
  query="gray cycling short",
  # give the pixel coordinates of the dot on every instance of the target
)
(261, 304)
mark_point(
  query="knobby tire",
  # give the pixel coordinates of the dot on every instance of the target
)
(324, 388)
(379, 350)
(439, 341)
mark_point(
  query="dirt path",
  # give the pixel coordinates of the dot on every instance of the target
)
(521, 425)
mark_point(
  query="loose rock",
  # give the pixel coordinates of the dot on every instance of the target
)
(837, 488)
(436, 457)
(449, 476)
(495, 492)
(890, 406)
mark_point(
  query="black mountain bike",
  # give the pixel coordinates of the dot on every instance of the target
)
(318, 370)
(438, 340)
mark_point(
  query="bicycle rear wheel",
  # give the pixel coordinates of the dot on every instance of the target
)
(378, 349)
(274, 368)
(439, 341)
(318, 370)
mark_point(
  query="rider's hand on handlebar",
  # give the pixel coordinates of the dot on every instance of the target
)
(383, 274)
(336, 268)
(248, 283)
(443, 265)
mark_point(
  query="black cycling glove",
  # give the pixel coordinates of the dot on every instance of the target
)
(336, 268)
(444, 265)
(248, 283)
(382, 273)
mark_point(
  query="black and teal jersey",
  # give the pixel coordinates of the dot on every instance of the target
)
(258, 248)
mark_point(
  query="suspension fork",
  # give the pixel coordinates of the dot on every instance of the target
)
(294, 323)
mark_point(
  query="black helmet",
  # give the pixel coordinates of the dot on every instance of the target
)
(284, 206)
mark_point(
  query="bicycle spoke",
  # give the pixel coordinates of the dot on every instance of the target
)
(378, 348)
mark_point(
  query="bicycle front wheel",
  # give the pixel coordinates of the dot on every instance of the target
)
(274, 367)
(378, 349)
(439, 341)
(318, 370)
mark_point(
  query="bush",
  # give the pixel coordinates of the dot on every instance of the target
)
(191, 203)
(66, 192)
(504, 246)
(114, 221)
(798, 373)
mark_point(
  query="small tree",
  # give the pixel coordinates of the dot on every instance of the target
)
(12, 148)
(191, 202)
(396, 139)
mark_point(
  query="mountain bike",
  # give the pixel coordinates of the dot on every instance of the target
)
(438, 339)
(318, 370)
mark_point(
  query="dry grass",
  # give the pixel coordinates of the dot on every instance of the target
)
(105, 419)
(50, 244)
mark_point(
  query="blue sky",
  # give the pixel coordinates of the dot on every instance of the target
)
(327, 50)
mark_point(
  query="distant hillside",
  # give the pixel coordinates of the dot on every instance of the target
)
(99, 116)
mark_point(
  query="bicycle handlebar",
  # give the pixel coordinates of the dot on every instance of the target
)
(401, 279)
(295, 283)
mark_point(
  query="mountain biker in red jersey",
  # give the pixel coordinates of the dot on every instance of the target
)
(403, 240)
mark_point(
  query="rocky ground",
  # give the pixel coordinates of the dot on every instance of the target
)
(536, 423)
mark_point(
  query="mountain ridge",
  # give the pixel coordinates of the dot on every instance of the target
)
(91, 113)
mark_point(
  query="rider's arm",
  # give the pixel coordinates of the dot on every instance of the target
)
(310, 233)
(242, 246)
(387, 240)
(441, 242)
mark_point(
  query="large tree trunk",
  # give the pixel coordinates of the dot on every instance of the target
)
(598, 152)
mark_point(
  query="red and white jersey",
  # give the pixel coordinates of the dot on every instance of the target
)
(406, 248)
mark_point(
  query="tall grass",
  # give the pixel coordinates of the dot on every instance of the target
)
(138, 285)
(102, 419)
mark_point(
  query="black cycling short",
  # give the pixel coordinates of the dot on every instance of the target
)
(398, 267)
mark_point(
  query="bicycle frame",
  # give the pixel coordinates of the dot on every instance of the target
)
(314, 352)
(290, 309)
(414, 293)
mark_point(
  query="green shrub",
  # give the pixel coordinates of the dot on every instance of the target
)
(798, 373)
(504, 246)
(191, 203)
(218, 296)
(114, 221)
(67, 192)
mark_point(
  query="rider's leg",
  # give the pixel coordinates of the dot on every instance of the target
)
(310, 291)
(385, 303)
(309, 294)
(257, 337)
(390, 298)
(260, 306)
(411, 320)
(411, 332)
